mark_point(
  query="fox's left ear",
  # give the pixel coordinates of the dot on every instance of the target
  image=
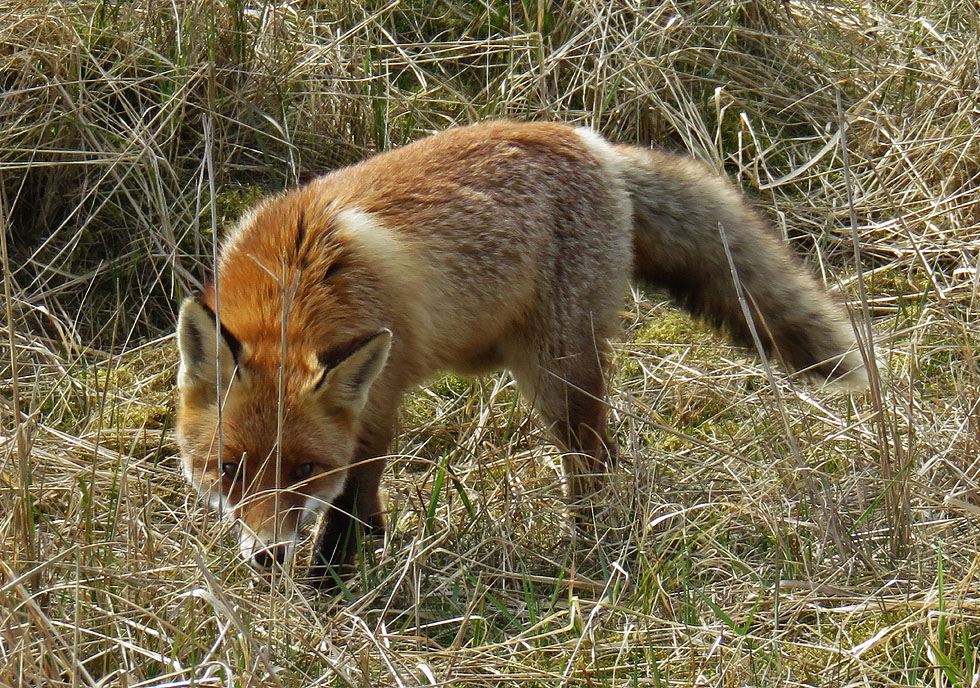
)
(199, 339)
(349, 370)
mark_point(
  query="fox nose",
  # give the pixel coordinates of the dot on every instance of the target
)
(268, 557)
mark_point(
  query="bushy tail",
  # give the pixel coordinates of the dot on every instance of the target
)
(677, 207)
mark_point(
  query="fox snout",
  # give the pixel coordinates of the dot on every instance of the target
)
(268, 531)
(264, 555)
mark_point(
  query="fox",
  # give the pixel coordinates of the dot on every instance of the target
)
(499, 245)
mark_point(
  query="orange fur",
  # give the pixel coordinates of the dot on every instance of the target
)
(496, 245)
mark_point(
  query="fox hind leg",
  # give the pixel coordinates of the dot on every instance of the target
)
(569, 392)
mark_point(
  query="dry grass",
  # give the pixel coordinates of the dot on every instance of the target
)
(837, 549)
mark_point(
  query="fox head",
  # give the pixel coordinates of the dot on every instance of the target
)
(285, 438)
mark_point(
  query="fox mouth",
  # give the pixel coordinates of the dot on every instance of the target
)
(269, 552)
(263, 556)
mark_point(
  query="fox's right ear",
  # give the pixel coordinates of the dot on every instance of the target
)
(349, 371)
(199, 342)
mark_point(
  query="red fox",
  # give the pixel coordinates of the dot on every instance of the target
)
(498, 245)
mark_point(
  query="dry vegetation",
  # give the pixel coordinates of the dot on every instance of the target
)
(763, 535)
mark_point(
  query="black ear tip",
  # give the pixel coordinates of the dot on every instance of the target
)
(196, 300)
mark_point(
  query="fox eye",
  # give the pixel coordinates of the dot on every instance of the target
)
(230, 470)
(303, 471)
